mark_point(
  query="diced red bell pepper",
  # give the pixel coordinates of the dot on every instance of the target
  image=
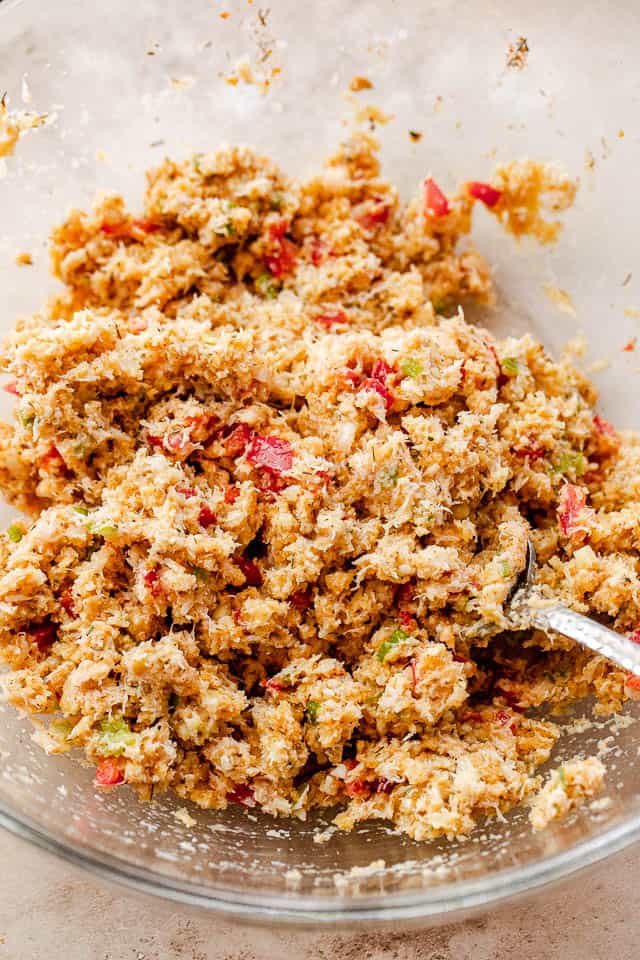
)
(11, 388)
(152, 580)
(435, 202)
(377, 386)
(501, 377)
(318, 251)
(117, 229)
(633, 682)
(406, 618)
(635, 636)
(175, 442)
(630, 346)
(43, 635)
(357, 788)
(251, 571)
(329, 320)
(301, 599)
(272, 683)
(188, 492)
(271, 453)
(236, 441)
(278, 228)
(571, 504)
(375, 216)
(243, 794)
(53, 458)
(206, 516)
(506, 720)
(353, 378)
(109, 772)
(66, 602)
(231, 494)
(283, 259)
(381, 371)
(531, 452)
(604, 427)
(484, 192)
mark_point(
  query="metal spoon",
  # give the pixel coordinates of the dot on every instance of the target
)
(523, 612)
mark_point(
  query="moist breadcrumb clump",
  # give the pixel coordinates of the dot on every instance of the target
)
(278, 491)
(565, 789)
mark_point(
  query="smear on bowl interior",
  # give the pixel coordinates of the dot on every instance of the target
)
(278, 491)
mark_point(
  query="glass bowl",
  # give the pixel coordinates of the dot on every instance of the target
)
(130, 82)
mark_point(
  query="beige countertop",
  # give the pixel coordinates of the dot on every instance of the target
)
(52, 911)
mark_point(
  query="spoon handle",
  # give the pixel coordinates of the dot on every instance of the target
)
(589, 633)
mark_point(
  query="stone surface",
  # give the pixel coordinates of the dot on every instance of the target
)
(52, 911)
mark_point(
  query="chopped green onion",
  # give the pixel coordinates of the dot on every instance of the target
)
(441, 305)
(61, 728)
(15, 533)
(561, 776)
(411, 368)
(228, 230)
(387, 645)
(106, 530)
(114, 736)
(80, 509)
(26, 419)
(510, 366)
(580, 464)
(265, 285)
(200, 573)
(196, 162)
(571, 461)
(506, 568)
(276, 201)
(311, 711)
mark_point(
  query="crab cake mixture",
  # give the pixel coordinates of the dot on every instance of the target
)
(278, 491)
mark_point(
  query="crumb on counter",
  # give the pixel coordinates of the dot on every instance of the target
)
(360, 83)
(24, 259)
(559, 298)
(518, 54)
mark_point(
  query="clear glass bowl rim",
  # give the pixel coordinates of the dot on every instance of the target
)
(447, 902)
